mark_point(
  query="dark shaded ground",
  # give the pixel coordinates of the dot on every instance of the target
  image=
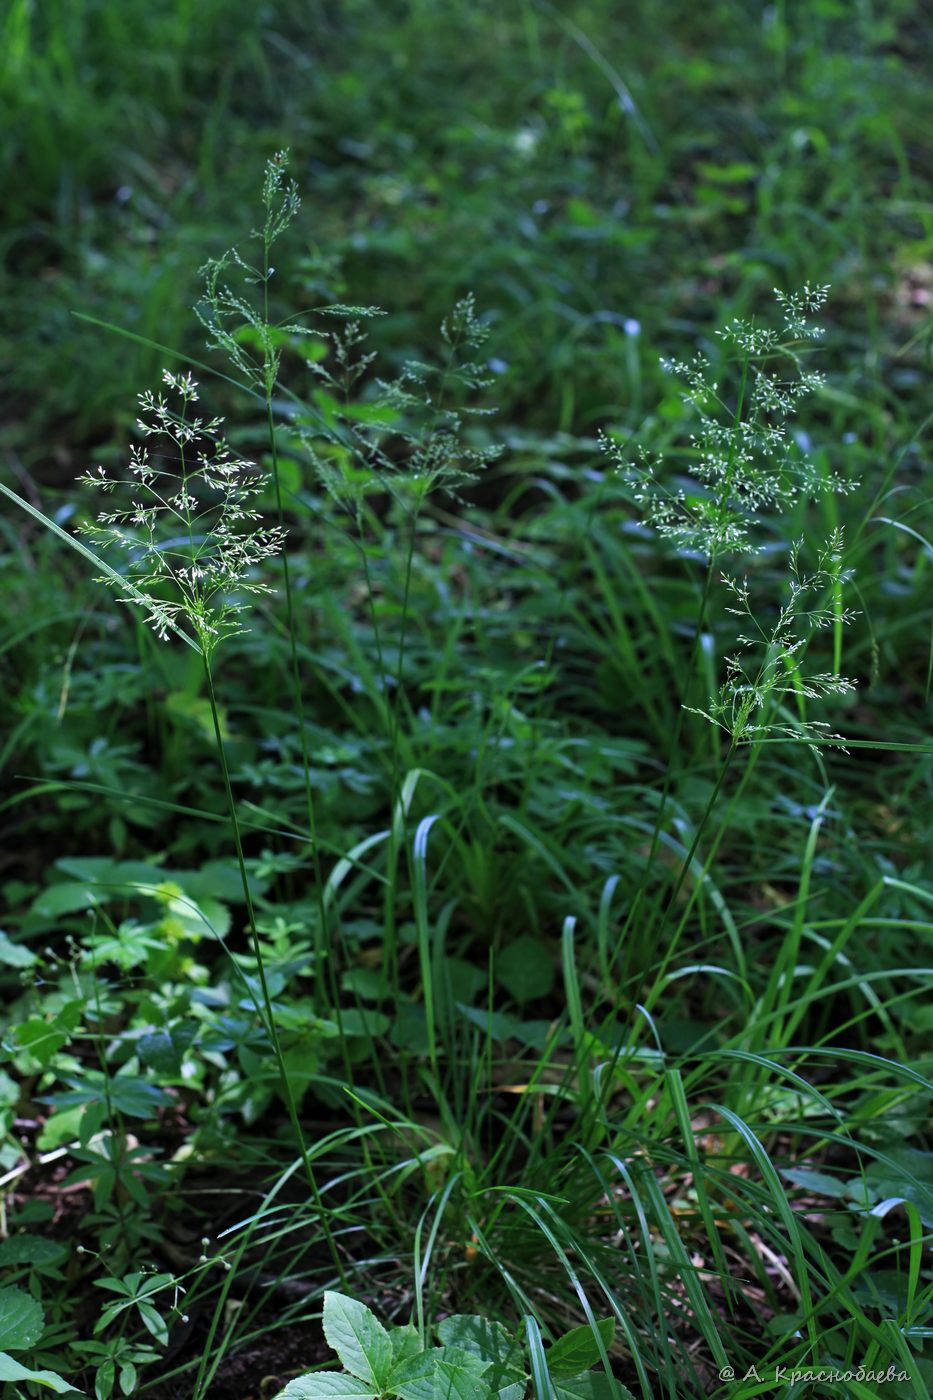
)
(254, 1372)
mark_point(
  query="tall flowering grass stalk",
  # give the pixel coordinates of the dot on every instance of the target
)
(746, 470)
(361, 436)
(745, 462)
(244, 333)
(191, 541)
(184, 521)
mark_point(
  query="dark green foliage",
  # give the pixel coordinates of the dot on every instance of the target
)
(537, 1002)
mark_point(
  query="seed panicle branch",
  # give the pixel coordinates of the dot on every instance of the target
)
(185, 521)
(767, 668)
(744, 462)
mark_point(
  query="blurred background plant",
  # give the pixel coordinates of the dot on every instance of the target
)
(581, 1019)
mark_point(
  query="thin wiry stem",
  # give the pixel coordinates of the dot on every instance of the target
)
(266, 1011)
(321, 941)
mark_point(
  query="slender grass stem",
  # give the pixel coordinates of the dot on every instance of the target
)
(322, 950)
(267, 1011)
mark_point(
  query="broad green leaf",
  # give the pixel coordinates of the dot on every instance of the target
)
(358, 1338)
(500, 1026)
(60, 1127)
(489, 1340)
(577, 1350)
(323, 1384)
(820, 1183)
(413, 1377)
(21, 1319)
(68, 898)
(457, 1375)
(496, 1024)
(136, 1097)
(40, 1038)
(186, 918)
(468, 979)
(409, 1030)
(103, 1381)
(12, 1371)
(525, 968)
(367, 1024)
(442, 1373)
(15, 954)
(34, 1250)
(164, 1050)
(406, 1343)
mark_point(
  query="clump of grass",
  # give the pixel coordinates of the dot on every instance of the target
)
(498, 1156)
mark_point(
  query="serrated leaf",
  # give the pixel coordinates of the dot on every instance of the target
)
(323, 1384)
(442, 1373)
(457, 1375)
(21, 1319)
(490, 1340)
(413, 1376)
(358, 1338)
(12, 1371)
(406, 1344)
(577, 1350)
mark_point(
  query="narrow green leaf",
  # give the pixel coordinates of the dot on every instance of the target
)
(540, 1377)
(123, 584)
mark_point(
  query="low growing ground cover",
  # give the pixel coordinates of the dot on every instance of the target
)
(466, 653)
